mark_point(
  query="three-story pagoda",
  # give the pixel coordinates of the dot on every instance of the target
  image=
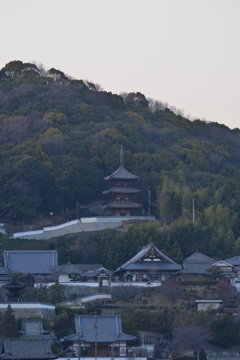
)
(121, 192)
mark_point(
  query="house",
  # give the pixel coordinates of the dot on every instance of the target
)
(195, 267)
(42, 266)
(98, 335)
(224, 267)
(208, 304)
(74, 272)
(28, 349)
(150, 264)
(235, 262)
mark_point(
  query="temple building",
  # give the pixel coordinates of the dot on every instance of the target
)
(121, 192)
(149, 264)
(99, 335)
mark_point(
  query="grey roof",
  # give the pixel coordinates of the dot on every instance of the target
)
(35, 262)
(32, 327)
(103, 328)
(77, 268)
(122, 205)
(121, 190)
(122, 174)
(3, 270)
(27, 349)
(150, 258)
(197, 263)
(235, 261)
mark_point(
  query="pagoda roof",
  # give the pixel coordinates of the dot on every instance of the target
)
(121, 190)
(122, 205)
(149, 258)
(122, 174)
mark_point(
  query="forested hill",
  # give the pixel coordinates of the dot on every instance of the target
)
(60, 137)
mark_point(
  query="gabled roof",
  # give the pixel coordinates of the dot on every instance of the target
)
(27, 349)
(222, 263)
(103, 328)
(150, 258)
(197, 263)
(35, 262)
(122, 174)
(235, 261)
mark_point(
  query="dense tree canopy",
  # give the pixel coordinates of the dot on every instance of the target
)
(59, 137)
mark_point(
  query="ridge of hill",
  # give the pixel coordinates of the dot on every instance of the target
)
(60, 137)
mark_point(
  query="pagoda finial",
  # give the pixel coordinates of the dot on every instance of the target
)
(121, 155)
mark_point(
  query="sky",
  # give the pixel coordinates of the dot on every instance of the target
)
(183, 52)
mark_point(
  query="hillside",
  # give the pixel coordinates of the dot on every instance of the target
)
(60, 137)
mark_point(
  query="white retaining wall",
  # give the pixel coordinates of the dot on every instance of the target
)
(25, 305)
(76, 226)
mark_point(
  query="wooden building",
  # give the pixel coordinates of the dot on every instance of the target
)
(195, 267)
(122, 191)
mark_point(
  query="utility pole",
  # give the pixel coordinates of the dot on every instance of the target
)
(77, 210)
(95, 327)
(193, 211)
(149, 202)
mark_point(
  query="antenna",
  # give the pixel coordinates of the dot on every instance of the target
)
(121, 155)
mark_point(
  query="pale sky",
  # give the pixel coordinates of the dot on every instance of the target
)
(184, 52)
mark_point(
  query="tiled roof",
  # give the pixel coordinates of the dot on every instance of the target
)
(27, 349)
(197, 263)
(137, 262)
(235, 260)
(122, 174)
(77, 268)
(121, 190)
(122, 205)
(35, 262)
(103, 328)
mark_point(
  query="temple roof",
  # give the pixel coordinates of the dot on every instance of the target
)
(121, 190)
(103, 328)
(122, 205)
(34, 262)
(27, 349)
(122, 174)
(149, 258)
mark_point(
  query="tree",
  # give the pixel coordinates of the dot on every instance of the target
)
(9, 324)
(171, 291)
(189, 338)
(225, 332)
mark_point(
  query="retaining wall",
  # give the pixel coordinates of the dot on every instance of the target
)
(76, 226)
